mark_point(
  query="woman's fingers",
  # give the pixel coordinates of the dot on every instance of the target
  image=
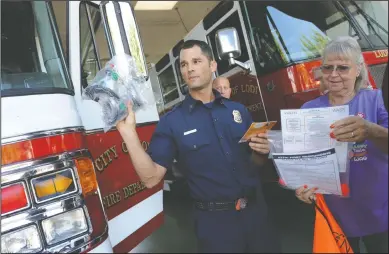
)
(306, 195)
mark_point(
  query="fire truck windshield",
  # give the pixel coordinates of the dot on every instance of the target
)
(372, 16)
(286, 32)
(31, 58)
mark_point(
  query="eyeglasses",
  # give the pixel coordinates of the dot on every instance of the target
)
(340, 69)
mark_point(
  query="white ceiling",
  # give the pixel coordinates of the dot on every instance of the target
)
(159, 30)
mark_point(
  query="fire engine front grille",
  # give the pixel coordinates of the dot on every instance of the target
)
(377, 71)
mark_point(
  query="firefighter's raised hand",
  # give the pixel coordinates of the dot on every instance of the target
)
(129, 122)
(259, 143)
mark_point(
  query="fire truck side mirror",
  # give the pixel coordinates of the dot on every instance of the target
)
(227, 43)
(228, 47)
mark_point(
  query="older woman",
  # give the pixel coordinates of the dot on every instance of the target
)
(364, 215)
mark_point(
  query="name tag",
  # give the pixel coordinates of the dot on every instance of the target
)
(189, 132)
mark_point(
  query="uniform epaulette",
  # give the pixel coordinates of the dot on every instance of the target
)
(178, 104)
(173, 109)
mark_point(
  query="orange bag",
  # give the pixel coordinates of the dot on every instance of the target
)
(328, 236)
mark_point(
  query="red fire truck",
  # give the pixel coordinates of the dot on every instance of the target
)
(66, 185)
(280, 47)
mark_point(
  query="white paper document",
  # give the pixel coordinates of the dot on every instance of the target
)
(305, 130)
(316, 169)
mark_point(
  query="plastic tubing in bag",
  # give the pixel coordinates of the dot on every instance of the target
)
(114, 86)
(276, 146)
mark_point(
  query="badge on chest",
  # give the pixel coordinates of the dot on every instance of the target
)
(237, 116)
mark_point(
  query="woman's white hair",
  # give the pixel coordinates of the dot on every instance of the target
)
(346, 47)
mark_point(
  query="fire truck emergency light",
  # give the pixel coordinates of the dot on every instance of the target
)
(53, 186)
(13, 198)
(87, 175)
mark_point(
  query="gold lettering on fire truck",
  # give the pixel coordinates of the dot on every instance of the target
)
(112, 199)
(234, 90)
(98, 164)
(253, 89)
(144, 144)
(255, 107)
(124, 147)
(117, 196)
(133, 189)
(381, 53)
(106, 158)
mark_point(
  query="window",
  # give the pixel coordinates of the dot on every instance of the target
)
(60, 13)
(168, 85)
(94, 44)
(285, 32)
(232, 21)
(133, 37)
(31, 56)
(123, 31)
(373, 18)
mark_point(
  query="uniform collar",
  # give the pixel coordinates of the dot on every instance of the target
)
(190, 103)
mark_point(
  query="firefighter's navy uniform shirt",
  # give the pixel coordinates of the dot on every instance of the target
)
(204, 140)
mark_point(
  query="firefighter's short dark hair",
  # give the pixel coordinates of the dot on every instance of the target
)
(205, 48)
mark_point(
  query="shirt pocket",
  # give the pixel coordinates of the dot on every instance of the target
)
(237, 130)
(194, 143)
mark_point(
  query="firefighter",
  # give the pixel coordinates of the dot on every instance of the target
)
(222, 85)
(202, 133)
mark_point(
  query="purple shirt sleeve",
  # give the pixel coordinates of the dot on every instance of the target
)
(382, 114)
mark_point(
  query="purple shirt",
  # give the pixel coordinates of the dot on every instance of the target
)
(366, 211)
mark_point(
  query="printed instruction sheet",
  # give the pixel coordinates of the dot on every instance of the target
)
(305, 130)
(316, 169)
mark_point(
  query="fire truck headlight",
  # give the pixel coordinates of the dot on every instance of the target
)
(64, 226)
(24, 240)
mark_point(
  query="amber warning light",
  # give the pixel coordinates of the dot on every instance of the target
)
(54, 185)
(87, 175)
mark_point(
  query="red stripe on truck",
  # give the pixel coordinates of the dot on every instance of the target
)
(138, 236)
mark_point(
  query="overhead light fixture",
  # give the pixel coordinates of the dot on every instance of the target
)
(154, 5)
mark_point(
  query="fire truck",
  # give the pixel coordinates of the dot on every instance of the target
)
(66, 185)
(275, 49)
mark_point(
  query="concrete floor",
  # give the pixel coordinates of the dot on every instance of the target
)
(293, 219)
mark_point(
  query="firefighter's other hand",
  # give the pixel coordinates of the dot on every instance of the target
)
(306, 195)
(129, 122)
(259, 143)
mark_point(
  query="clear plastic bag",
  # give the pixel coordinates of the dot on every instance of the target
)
(114, 86)
(275, 139)
(276, 147)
